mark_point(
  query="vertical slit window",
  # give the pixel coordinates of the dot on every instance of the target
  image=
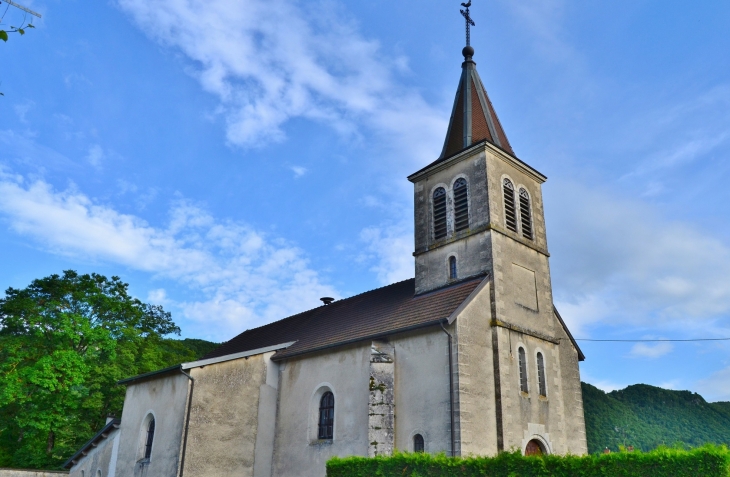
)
(541, 375)
(461, 205)
(525, 216)
(452, 267)
(439, 213)
(326, 416)
(523, 369)
(150, 438)
(418, 444)
(510, 210)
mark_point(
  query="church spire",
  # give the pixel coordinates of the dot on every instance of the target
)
(473, 118)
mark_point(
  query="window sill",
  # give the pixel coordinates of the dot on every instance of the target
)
(321, 442)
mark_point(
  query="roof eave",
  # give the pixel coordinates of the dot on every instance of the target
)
(581, 356)
(151, 374)
(360, 338)
(443, 163)
(113, 423)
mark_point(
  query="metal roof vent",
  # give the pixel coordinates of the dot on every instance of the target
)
(327, 300)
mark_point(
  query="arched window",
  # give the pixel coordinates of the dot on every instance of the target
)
(150, 438)
(98, 473)
(439, 213)
(541, 375)
(526, 218)
(510, 211)
(452, 267)
(326, 416)
(523, 369)
(418, 444)
(461, 205)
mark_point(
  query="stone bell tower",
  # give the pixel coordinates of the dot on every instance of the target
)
(459, 198)
(479, 212)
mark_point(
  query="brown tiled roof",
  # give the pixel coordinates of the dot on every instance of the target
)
(375, 313)
(473, 118)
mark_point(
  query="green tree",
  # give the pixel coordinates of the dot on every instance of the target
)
(64, 342)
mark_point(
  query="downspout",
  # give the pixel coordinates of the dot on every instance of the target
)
(451, 391)
(187, 421)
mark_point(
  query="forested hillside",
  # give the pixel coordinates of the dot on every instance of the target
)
(646, 417)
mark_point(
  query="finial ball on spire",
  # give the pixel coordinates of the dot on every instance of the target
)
(468, 52)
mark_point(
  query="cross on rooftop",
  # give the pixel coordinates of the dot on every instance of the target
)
(469, 22)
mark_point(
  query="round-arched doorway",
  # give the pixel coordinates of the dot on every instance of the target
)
(535, 447)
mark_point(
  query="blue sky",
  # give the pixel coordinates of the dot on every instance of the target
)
(236, 160)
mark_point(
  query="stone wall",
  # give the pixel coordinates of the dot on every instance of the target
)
(165, 399)
(224, 418)
(381, 417)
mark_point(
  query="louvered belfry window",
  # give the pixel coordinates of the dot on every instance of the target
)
(439, 213)
(510, 211)
(523, 369)
(541, 374)
(461, 205)
(326, 416)
(525, 217)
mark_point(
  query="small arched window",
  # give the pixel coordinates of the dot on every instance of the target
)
(439, 213)
(525, 216)
(510, 211)
(326, 416)
(452, 267)
(461, 205)
(523, 369)
(150, 439)
(98, 473)
(418, 444)
(542, 385)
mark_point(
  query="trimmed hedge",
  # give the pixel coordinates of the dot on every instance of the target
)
(707, 461)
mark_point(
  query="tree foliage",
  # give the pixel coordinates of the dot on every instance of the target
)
(65, 341)
(646, 417)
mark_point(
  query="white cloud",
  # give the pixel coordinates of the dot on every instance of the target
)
(300, 59)
(298, 171)
(620, 261)
(603, 384)
(95, 156)
(391, 248)
(243, 278)
(716, 387)
(645, 350)
(22, 109)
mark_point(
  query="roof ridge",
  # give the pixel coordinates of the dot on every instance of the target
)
(342, 300)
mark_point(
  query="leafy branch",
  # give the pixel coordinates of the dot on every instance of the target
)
(21, 30)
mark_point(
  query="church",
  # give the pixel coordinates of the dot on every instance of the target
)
(470, 357)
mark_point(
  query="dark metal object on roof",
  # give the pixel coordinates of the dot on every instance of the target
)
(327, 300)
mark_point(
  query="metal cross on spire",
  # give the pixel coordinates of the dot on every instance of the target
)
(469, 22)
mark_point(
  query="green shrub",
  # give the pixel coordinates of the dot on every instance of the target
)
(707, 461)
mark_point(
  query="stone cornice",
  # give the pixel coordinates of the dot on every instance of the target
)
(477, 230)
